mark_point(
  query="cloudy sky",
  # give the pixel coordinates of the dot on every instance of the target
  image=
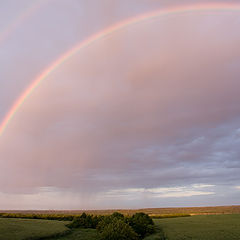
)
(148, 116)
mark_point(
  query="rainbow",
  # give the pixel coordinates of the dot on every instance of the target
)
(102, 34)
(21, 19)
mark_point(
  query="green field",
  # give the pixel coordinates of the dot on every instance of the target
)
(80, 234)
(202, 227)
(23, 229)
(207, 227)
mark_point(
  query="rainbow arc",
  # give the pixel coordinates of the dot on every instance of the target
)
(105, 32)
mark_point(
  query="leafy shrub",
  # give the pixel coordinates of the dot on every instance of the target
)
(142, 224)
(118, 230)
(105, 220)
(118, 215)
(84, 221)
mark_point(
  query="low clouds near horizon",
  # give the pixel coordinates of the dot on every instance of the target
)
(147, 117)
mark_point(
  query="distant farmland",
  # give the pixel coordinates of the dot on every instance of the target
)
(188, 210)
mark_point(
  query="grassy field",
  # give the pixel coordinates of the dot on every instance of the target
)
(22, 229)
(80, 234)
(201, 227)
(211, 227)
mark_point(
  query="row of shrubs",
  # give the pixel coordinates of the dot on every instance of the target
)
(60, 217)
(116, 226)
(169, 215)
(68, 217)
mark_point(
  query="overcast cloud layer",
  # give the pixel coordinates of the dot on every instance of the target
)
(147, 117)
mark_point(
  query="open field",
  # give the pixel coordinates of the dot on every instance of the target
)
(187, 210)
(80, 234)
(201, 227)
(23, 229)
(220, 227)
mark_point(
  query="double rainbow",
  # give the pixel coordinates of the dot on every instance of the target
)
(105, 32)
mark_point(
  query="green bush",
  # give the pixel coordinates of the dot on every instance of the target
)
(142, 224)
(84, 221)
(118, 215)
(118, 230)
(105, 220)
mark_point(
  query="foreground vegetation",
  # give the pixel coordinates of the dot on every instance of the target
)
(79, 234)
(119, 227)
(108, 227)
(24, 229)
(116, 226)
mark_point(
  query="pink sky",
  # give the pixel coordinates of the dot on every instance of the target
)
(147, 117)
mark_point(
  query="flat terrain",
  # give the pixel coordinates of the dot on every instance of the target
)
(21, 229)
(186, 210)
(80, 234)
(212, 227)
(201, 227)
